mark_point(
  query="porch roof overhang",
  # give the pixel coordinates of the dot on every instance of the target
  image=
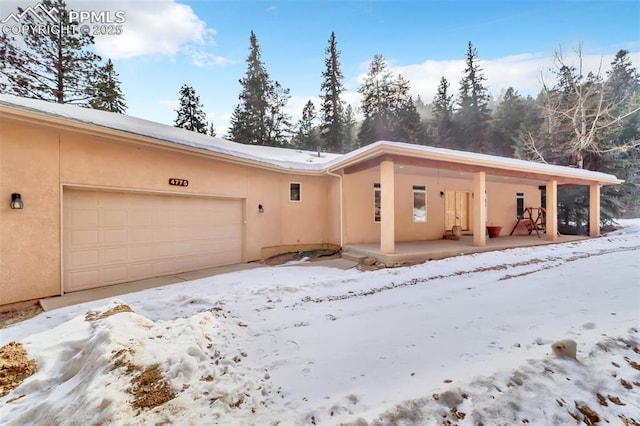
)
(465, 162)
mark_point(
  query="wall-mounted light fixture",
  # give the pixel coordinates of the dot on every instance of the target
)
(260, 208)
(441, 194)
(16, 201)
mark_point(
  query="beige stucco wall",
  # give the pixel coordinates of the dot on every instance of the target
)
(29, 238)
(38, 161)
(501, 204)
(361, 228)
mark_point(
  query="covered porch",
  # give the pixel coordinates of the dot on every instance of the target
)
(418, 251)
(398, 201)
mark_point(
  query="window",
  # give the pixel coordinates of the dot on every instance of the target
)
(295, 191)
(419, 203)
(519, 204)
(376, 202)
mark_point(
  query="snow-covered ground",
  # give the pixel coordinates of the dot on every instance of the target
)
(463, 340)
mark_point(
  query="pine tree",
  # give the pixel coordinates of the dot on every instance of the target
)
(54, 64)
(350, 141)
(473, 113)
(424, 110)
(331, 110)
(389, 111)
(190, 114)
(408, 125)
(307, 137)
(277, 120)
(212, 130)
(105, 90)
(259, 118)
(623, 81)
(623, 91)
(377, 95)
(507, 119)
(442, 121)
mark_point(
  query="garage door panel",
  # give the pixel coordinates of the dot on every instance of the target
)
(163, 218)
(83, 237)
(114, 275)
(114, 255)
(139, 271)
(140, 217)
(139, 235)
(113, 217)
(84, 218)
(84, 258)
(112, 237)
(83, 279)
(140, 253)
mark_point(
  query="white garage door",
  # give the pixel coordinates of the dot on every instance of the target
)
(114, 237)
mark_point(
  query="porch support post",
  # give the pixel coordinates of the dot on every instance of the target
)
(479, 212)
(594, 210)
(387, 208)
(552, 210)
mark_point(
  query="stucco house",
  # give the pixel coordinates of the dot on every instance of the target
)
(107, 198)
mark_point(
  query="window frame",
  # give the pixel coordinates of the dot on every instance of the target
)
(520, 206)
(377, 203)
(418, 189)
(291, 199)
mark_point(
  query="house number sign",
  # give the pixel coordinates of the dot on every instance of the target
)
(178, 182)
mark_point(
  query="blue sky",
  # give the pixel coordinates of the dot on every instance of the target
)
(167, 43)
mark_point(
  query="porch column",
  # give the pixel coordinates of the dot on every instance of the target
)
(387, 208)
(594, 210)
(552, 210)
(479, 212)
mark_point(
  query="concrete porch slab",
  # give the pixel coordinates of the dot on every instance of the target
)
(418, 251)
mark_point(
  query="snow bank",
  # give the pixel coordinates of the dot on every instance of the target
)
(86, 370)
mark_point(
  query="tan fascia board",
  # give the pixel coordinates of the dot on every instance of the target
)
(120, 136)
(351, 159)
(380, 149)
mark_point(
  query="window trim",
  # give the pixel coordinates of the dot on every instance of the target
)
(377, 190)
(299, 200)
(519, 196)
(418, 189)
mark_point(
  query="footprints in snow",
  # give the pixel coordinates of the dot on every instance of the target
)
(305, 371)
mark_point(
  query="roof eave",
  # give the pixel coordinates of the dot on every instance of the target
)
(382, 148)
(61, 122)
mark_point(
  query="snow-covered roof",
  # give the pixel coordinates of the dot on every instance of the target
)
(285, 158)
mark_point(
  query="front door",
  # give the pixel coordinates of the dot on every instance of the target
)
(456, 209)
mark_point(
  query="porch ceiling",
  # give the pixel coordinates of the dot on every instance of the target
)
(430, 167)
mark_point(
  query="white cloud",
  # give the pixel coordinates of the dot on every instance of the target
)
(159, 27)
(522, 72)
(201, 58)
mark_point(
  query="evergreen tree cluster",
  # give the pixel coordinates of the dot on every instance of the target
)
(57, 65)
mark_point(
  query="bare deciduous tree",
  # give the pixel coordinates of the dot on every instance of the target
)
(576, 112)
